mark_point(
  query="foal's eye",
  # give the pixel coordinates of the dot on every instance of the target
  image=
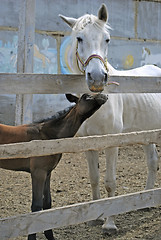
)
(107, 40)
(79, 39)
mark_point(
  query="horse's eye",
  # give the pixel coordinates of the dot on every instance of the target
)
(107, 40)
(79, 39)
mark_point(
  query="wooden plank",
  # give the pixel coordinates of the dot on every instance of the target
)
(78, 213)
(26, 36)
(20, 61)
(41, 83)
(58, 45)
(77, 144)
(136, 84)
(12, 83)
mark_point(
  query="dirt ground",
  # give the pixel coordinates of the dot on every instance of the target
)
(70, 184)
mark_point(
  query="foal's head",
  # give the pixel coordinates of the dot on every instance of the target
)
(90, 46)
(67, 122)
(87, 104)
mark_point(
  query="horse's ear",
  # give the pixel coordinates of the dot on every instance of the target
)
(103, 13)
(70, 21)
(72, 98)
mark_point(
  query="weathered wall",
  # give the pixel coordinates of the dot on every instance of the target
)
(136, 40)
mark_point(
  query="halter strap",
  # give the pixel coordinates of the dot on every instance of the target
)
(84, 64)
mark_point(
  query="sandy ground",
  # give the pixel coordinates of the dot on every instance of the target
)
(70, 184)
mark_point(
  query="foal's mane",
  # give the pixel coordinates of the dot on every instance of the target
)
(56, 117)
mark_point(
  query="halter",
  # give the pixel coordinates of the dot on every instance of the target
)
(84, 64)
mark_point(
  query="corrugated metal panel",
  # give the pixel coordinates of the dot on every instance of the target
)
(149, 20)
(125, 17)
(9, 13)
(122, 18)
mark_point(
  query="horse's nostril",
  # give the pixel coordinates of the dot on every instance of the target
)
(105, 77)
(89, 76)
(97, 77)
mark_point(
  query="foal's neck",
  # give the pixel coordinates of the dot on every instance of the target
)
(64, 127)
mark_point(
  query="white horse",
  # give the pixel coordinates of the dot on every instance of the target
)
(122, 112)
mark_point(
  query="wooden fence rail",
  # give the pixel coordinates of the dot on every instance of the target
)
(25, 57)
(20, 83)
(77, 213)
(78, 144)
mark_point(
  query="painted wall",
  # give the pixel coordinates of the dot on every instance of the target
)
(135, 41)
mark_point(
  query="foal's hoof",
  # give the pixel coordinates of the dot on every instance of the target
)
(49, 235)
(95, 222)
(32, 236)
(110, 231)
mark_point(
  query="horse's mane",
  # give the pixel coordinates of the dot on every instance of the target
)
(83, 21)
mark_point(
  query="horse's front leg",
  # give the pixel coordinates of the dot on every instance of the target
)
(152, 163)
(47, 205)
(38, 180)
(110, 185)
(93, 168)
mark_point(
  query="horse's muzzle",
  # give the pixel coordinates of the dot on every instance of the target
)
(96, 82)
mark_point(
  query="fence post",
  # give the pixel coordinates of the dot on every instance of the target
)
(25, 54)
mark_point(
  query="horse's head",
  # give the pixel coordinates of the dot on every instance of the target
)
(87, 104)
(91, 38)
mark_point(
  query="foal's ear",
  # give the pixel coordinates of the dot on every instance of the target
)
(70, 21)
(72, 98)
(103, 13)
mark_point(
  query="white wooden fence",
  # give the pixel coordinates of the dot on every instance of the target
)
(24, 84)
(82, 212)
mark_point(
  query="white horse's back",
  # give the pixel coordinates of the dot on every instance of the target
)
(146, 70)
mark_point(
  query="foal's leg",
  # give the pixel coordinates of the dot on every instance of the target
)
(47, 195)
(110, 185)
(38, 181)
(152, 163)
(47, 205)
